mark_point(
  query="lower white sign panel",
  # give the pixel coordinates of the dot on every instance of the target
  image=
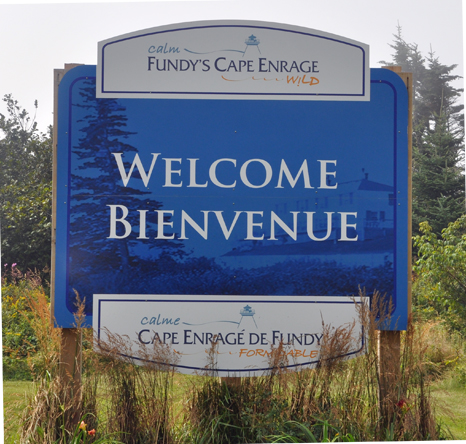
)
(229, 335)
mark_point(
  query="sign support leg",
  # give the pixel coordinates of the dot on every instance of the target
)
(70, 365)
(71, 369)
(231, 381)
(389, 346)
(389, 368)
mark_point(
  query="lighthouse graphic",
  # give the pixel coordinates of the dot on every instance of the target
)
(247, 311)
(252, 40)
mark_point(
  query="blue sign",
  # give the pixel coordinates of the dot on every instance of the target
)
(231, 197)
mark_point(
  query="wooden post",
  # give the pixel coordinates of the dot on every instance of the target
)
(231, 381)
(71, 369)
(389, 346)
(71, 345)
(389, 351)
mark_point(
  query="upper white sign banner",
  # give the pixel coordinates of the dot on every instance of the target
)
(233, 60)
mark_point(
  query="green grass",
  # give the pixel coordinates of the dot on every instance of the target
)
(451, 406)
(449, 395)
(14, 402)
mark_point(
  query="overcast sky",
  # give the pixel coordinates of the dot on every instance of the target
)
(36, 37)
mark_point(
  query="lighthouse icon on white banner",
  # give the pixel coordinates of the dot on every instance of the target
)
(247, 311)
(252, 40)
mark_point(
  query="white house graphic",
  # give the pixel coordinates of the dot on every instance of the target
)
(372, 201)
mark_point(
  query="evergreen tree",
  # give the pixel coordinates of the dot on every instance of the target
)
(408, 56)
(436, 99)
(438, 185)
(438, 131)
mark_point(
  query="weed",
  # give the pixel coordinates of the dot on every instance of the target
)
(339, 400)
(139, 397)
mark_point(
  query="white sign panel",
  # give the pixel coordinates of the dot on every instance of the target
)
(233, 60)
(232, 335)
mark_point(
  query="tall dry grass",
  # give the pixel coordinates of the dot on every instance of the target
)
(359, 402)
(342, 400)
(50, 415)
(138, 398)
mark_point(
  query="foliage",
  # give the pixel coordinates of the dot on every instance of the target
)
(438, 184)
(247, 411)
(438, 133)
(437, 98)
(15, 369)
(440, 285)
(337, 401)
(434, 95)
(27, 328)
(445, 351)
(139, 398)
(328, 433)
(19, 338)
(51, 414)
(138, 405)
(25, 189)
(82, 434)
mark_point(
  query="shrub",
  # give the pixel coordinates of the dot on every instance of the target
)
(440, 281)
(18, 336)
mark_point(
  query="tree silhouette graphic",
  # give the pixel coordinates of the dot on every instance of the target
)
(99, 264)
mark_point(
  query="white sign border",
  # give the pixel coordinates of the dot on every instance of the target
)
(101, 92)
(173, 299)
